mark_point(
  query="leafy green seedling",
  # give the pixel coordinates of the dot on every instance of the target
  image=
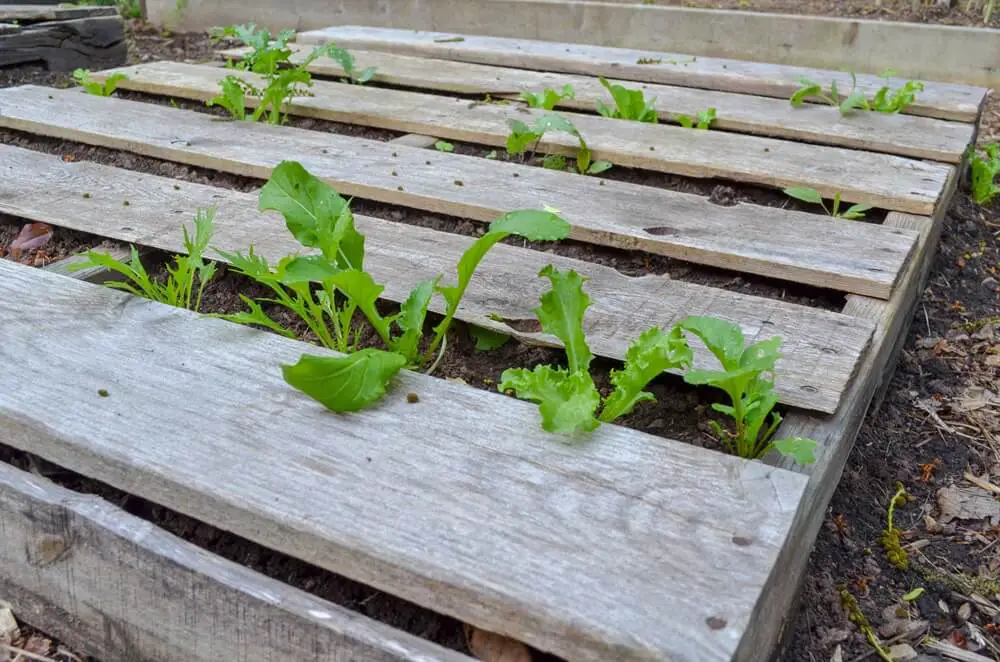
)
(914, 594)
(629, 104)
(985, 169)
(747, 377)
(885, 100)
(487, 339)
(105, 89)
(890, 540)
(702, 121)
(179, 289)
(567, 398)
(327, 287)
(346, 62)
(443, 146)
(812, 196)
(548, 98)
(522, 135)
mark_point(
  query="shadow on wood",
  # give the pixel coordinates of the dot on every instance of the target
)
(90, 43)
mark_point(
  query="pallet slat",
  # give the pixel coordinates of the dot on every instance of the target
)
(128, 588)
(904, 135)
(855, 257)
(881, 180)
(30, 13)
(942, 100)
(820, 348)
(554, 579)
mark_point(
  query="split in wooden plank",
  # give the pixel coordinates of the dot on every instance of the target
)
(554, 580)
(88, 43)
(942, 100)
(30, 13)
(820, 348)
(855, 257)
(836, 433)
(881, 180)
(74, 563)
(904, 135)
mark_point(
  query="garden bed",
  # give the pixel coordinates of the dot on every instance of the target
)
(848, 350)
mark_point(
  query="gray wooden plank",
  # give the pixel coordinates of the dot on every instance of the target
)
(121, 589)
(820, 348)
(90, 274)
(882, 180)
(89, 43)
(459, 503)
(905, 135)
(942, 100)
(853, 257)
(25, 13)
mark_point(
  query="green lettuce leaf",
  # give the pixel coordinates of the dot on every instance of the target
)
(561, 315)
(566, 401)
(649, 355)
(345, 383)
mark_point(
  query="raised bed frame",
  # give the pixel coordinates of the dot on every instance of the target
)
(630, 547)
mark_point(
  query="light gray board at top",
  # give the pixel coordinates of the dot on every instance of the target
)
(944, 100)
(626, 547)
(820, 347)
(118, 588)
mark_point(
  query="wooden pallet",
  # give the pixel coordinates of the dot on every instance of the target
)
(630, 547)
(62, 38)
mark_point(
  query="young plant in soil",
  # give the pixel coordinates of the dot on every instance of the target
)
(568, 399)
(522, 136)
(346, 62)
(747, 377)
(105, 89)
(548, 98)
(326, 289)
(182, 276)
(270, 58)
(886, 100)
(985, 169)
(629, 104)
(812, 196)
(894, 551)
(702, 121)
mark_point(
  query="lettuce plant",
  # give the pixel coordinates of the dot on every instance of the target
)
(522, 136)
(105, 89)
(328, 287)
(703, 120)
(629, 104)
(747, 378)
(568, 399)
(186, 277)
(548, 98)
(985, 169)
(812, 196)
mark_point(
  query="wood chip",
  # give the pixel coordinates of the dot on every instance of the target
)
(491, 647)
(966, 503)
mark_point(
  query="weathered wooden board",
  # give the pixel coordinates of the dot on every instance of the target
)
(35, 12)
(882, 180)
(88, 43)
(820, 348)
(91, 274)
(905, 135)
(121, 589)
(836, 433)
(849, 256)
(382, 484)
(943, 100)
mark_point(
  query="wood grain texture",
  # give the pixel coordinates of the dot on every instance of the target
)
(854, 257)
(881, 180)
(820, 348)
(123, 590)
(89, 43)
(482, 517)
(30, 13)
(905, 135)
(942, 100)
(90, 274)
(836, 433)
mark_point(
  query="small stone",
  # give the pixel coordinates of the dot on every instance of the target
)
(943, 606)
(902, 653)
(412, 398)
(964, 612)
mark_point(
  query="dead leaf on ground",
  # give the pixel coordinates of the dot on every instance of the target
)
(32, 237)
(974, 398)
(967, 503)
(492, 647)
